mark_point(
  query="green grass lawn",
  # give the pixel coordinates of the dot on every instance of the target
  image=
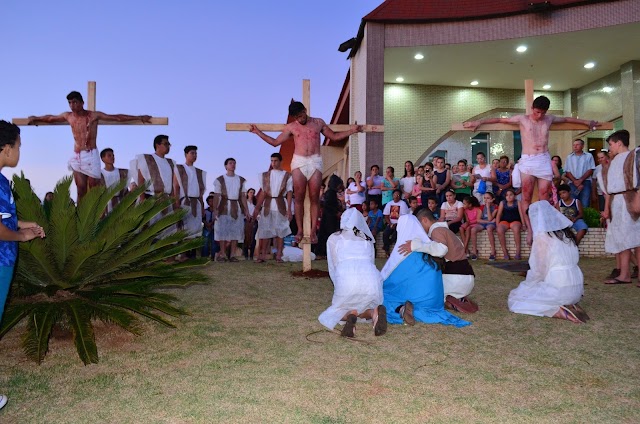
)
(252, 350)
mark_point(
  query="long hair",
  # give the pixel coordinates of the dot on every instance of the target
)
(565, 235)
(437, 263)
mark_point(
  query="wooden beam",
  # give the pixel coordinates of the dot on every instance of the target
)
(91, 96)
(306, 95)
(528, 95)
(307, 226)
(154, 121)
(280, 127)
(515, 127)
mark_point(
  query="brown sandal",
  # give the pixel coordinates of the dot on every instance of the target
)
(349, 329)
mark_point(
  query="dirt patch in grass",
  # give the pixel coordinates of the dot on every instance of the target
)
(314, 273)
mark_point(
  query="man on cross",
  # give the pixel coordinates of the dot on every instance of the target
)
(535, 162)
(306, 165)
(85, 163)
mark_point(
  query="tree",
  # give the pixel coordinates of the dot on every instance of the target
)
(94, 267)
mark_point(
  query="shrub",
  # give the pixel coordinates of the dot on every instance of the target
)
(92, 267)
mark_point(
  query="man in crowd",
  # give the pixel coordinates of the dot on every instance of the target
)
(112, 176)
(274, 208)
(229, 210)
(578, 169)
(189, 185)
(156, 170)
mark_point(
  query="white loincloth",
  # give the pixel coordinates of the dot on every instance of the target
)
(457, 285)
(308, 165)
(538, 165)
(87, 163)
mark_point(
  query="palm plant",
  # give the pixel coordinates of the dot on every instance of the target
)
(91, 267)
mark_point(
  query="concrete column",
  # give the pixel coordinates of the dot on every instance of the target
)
(367, 99)
(630, 89)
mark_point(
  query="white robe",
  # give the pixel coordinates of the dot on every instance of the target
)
(274, 224)
(166, 174)
(226, 228)
(191, 224)
(554, 279)
(111, 178)
(622, 232)
(357, 283)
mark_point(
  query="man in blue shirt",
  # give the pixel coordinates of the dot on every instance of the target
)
(578, 168)
(11, 230)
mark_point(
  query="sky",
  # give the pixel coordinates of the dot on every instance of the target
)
(200, 63)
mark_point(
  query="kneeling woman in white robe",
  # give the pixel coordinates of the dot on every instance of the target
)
(357, 284)
(554, 283)
(415, 281)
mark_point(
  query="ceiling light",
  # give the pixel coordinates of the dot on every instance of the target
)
(546, 86)
(521, 49)
(589, 65)
(418, 56)
(399, 79)
(474, 83)
(607, 89)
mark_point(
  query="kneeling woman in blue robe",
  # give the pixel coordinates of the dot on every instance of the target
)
(412, 287)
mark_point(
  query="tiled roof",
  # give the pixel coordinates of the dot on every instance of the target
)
(453, 10)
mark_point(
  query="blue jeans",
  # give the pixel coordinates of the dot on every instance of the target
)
(210, 245)
(6, 275)
(584, 195)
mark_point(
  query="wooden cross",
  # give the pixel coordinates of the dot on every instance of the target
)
(307, 224)
(528, 95)
(91, 105)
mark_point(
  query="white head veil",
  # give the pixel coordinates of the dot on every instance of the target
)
(409, 228)
(545, 218)
(351, 218)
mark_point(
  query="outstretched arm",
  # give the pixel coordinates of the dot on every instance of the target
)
(99, 116)
(48, 119)
(591, 124)
(475, 124)
(335, 136)
(286, 134)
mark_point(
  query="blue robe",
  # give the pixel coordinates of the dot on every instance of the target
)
(421, 284)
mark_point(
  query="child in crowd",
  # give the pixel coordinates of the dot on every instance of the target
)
(12, 230)
(509, 217)
(365, 212)
(432, 204)
(376, 219)
(413, 203)
(487, 221)
(452, 211)
(418, 188)
(472, 212)
(572, 209)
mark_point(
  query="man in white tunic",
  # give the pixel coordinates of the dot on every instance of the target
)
(274, 207)
(357, 283)
(156, 170)
(112, 176)
(622, 203)
(189, 185)
(229, 210)
(554, 284)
